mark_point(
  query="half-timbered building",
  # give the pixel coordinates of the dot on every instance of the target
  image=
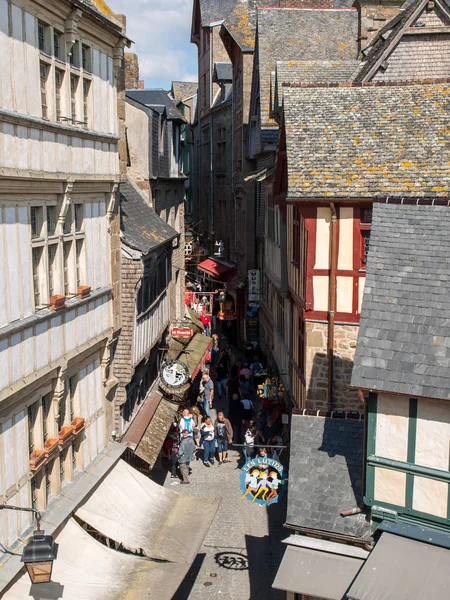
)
(59, 172)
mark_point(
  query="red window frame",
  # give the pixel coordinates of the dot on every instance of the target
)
(365, 225)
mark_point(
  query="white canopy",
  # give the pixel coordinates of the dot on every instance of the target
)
(130, 508)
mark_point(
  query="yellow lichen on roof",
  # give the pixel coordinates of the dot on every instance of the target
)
(103, 7)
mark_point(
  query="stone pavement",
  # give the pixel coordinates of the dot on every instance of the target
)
(241, 553)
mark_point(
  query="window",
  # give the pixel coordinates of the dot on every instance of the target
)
(221, 159)
(66, 267)
(42, 35)
(46, 404)
(296, 235)
(57, 38)
(37, 255)
(73, 382)
(33, 493)
(79, 251)
(161, 135)
(44, 76)
(74, 56)
(36, 221)
(86, 88)
(365, 226)
(273, 219)
(67, 225)
(153, 284)
(86, 58)
(51, 220)
(32, 413)
(51, 269)
(79, 217)
(73, 97)
(62, 466)
(59, 78)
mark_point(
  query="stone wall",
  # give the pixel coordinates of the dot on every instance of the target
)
(316, 371)
(131, 71)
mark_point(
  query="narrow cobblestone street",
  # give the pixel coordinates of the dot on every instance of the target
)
(241, 553)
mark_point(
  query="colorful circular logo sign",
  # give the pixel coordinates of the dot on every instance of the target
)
(262, 480)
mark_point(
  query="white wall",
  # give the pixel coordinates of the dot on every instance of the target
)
(148, 329)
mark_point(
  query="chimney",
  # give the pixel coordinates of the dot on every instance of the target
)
(374, 14)
(131, 71)
(141, 84)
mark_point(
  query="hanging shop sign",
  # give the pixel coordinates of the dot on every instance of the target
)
(254, 285)
(174, 374)
(181, 332)
(262, 480)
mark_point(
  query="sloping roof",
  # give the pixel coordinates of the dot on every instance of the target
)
(241, 24)
(311, 71)
(325, 475)
(404, 335)
(384, 39)
(223, 71)
(183, 89)
(101, 10)
(368, 141)
(212, 11)
(291, 34)
(157, 99)
(142, 229)
(223, 96)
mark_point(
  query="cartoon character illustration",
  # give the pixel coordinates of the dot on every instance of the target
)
(262, 488)
(251, 481)
(274, 485)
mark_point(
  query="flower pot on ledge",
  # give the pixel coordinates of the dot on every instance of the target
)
(50, 446)
(57, 302)
(77, 425)
(83, 291)
(37, 459)
(65, 435)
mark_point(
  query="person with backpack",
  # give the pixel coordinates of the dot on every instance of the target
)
(249, 438)
(186, 453)
(187, 422)
(224, 436)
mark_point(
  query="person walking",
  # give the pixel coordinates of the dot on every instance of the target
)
(197, 416)
(207, 392)
(187, 422)
(209, 444)
(224, 434)
(186, 453)
(221, 379)
(249, 439)
(171, 446)
(206, 321)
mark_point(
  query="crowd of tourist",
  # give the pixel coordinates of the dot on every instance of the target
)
(246, 421)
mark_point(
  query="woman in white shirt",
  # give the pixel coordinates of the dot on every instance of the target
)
(209, 444)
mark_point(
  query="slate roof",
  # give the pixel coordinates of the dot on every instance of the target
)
(101, 10)
(241, 24)
(311, 71)
(224, 95)
(223, 71)
(142, 229)
(325, 475)
(183, 89)
(291, 34)
(157, 99)
(212, 11)
(369, 142)
(383, 40)
(404, 335)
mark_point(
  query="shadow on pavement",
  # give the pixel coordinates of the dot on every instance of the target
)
(185, 589)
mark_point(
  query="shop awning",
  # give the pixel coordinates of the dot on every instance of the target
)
(318, 568)
(218, 269)
(130, 508)
(400, 568)
(149, 429)
(87, 570)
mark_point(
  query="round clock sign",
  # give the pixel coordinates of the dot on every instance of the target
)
(174, 374)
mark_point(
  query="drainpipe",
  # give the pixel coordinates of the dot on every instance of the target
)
(211, 136)
(332, 302)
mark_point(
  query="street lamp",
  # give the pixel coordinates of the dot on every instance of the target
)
(39, 553)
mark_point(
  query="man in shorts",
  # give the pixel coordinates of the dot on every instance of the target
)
(224, 436)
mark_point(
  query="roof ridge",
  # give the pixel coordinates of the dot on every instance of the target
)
(351, 84)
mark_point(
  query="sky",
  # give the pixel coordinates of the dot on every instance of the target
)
(161, 32)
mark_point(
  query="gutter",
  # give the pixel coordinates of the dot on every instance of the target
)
(332, 303)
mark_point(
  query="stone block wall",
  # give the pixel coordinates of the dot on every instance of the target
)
(316, 371)
(131, 71)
